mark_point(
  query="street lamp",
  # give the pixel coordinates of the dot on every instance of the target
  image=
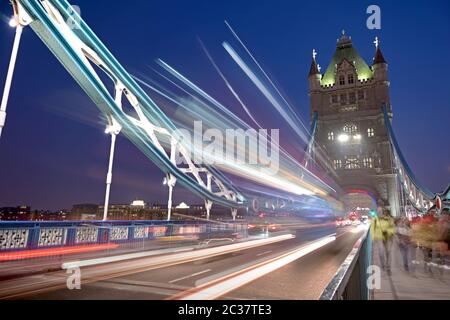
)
(12, 22)
(343, 138)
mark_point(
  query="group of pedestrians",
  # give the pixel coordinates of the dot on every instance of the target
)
(429, 233)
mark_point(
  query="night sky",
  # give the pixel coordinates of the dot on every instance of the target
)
(54, 153)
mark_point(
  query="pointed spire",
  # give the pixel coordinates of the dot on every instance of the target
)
(378, 55)
(344, 41)
(314, 67)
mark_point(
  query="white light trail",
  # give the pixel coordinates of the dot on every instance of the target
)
(265, 91)
(180, 254)
(294, 114)
(226, 284)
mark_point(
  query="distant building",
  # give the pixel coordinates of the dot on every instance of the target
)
(84, 211)
(19, 213)
(182, 206)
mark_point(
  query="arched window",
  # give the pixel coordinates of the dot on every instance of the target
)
(350, 128)
(368, 162)
(337, 164)
(350, 78)
(331, 135)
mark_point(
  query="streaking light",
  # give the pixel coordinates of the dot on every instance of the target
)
(228, 283)
(27, 254)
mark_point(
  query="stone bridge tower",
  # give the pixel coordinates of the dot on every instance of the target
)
(351, 133)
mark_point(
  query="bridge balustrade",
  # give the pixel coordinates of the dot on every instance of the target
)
(21, 240)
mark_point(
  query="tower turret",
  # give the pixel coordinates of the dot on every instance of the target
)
(314, 76)
(379, 66)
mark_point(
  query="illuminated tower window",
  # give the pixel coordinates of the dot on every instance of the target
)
(337, 164)
(352, 162)
(368, 162)
(370, 132)
(350, 129)
(331, 135)
(351, 78)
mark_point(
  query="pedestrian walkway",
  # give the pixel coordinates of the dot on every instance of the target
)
(422, 282)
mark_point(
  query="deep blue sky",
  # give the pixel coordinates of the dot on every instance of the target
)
(53, 152)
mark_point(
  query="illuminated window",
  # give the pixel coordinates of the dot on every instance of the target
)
(352, 162)
(360, 94)
(331, 135)
(350, 129)
(350, 78)
(352, 97)
(341, 80)
(370, 132)
(368, 162)
(337, 164)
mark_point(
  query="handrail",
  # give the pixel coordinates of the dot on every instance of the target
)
(399, 153)
(337, 287)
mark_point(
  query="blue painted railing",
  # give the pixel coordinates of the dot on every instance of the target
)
(30, 235)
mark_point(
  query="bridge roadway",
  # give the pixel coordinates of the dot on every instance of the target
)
(302, 277)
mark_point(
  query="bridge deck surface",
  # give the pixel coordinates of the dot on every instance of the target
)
(419, 283)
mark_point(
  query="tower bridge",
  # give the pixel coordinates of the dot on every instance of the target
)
(351, 114)
(288, 217)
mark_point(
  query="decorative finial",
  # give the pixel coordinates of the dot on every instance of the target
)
(376, 42)
(314, 54)
(319, 67)
(343, 32)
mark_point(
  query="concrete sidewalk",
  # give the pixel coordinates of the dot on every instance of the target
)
(422, 282)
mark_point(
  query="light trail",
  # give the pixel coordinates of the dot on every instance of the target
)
(130, 256)
(27, 254)
(289, 165)
(294, 114)
(227, 83)
(228, 283)
(179, 257)
(265, 91)
(190, 276)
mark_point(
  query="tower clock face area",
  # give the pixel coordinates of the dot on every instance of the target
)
(348, 99)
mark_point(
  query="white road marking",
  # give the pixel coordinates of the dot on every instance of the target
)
(190, 276)
(263, 253)
(230, 283)
(180, 254)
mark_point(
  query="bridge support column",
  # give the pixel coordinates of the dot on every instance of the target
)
(9, 76)
(170, 180)
(208, 206)
(234, 213)
(393, 197)
(113, 130)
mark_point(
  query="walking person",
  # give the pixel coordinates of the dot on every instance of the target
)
(424, 234)
(383, 231)
(404, 241)
(443, 238)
